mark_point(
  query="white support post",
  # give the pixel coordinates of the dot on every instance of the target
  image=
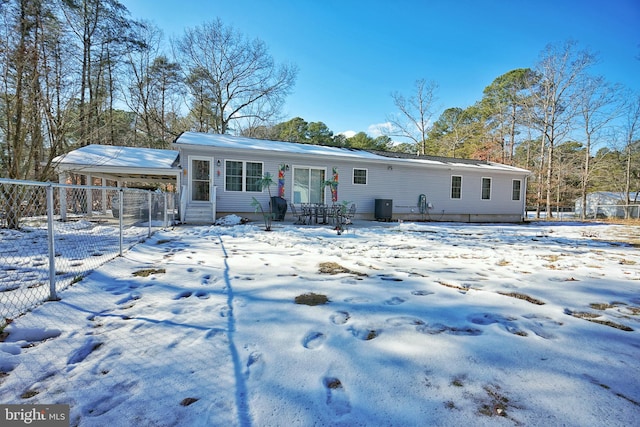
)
(120, 220)
(149, 203)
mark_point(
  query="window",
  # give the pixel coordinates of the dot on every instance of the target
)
(308, 185)
(360, 176)
(456, 187)
(515, 192)
(242, 176)
(486, 188)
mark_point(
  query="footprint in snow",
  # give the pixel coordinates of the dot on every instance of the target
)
(202, 295)
(340, 317)
(364, 334)
(506, 322)
(394, 301)
(131, 297)
(313, 340)
(337, 398)
(255, 366)
(389, 278)
(489, 318)
(89, 346)
(183, 294)
(540, 325)
(405, 320)
(438, 328)
(421, 293)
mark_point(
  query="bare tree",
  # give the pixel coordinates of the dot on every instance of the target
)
(632, 131)
(414, 119)
(103, 33)
(598, 106)
(229, 76)
(553, 106)
(154, 89)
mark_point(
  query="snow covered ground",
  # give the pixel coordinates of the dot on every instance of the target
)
(425, 324)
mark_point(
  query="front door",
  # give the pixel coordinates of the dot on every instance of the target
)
(201, 173)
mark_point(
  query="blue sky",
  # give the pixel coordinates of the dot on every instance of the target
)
(353, 54)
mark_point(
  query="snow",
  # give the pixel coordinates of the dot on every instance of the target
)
(116, 156)
(198, 326)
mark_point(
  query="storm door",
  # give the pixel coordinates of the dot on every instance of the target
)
(201, 174)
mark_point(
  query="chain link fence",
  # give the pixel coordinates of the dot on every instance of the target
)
(52, 235)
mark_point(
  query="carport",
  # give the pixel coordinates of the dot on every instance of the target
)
(123, 165)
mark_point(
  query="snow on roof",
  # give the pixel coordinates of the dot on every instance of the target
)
(114, 156)
(244, 143)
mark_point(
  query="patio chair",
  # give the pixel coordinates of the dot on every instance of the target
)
(301, 216)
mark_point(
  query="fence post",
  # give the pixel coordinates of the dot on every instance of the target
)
(149, 202)
(121, 223)
(164, 213)
(52, 250)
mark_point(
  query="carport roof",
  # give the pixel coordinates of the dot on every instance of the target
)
(121, 163)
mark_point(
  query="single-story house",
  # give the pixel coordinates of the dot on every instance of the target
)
(218, 175)
(609, 204)
(221, 173)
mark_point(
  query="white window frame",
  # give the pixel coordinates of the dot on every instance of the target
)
(322, 189)
(451, 188)
(482, 187)
(366, 176)
(519, 189)
(244, 175)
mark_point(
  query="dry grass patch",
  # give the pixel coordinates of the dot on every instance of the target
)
(604, 305)
(453, 286)
(551, 258)
(311, 299)
(496, 404)
(148, 272)
(593, 317)
(523, 297)
(335, 268)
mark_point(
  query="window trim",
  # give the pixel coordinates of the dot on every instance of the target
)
(482, 181)
(366, 176)
(244, 175)
(513, 181)
(451, 188)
